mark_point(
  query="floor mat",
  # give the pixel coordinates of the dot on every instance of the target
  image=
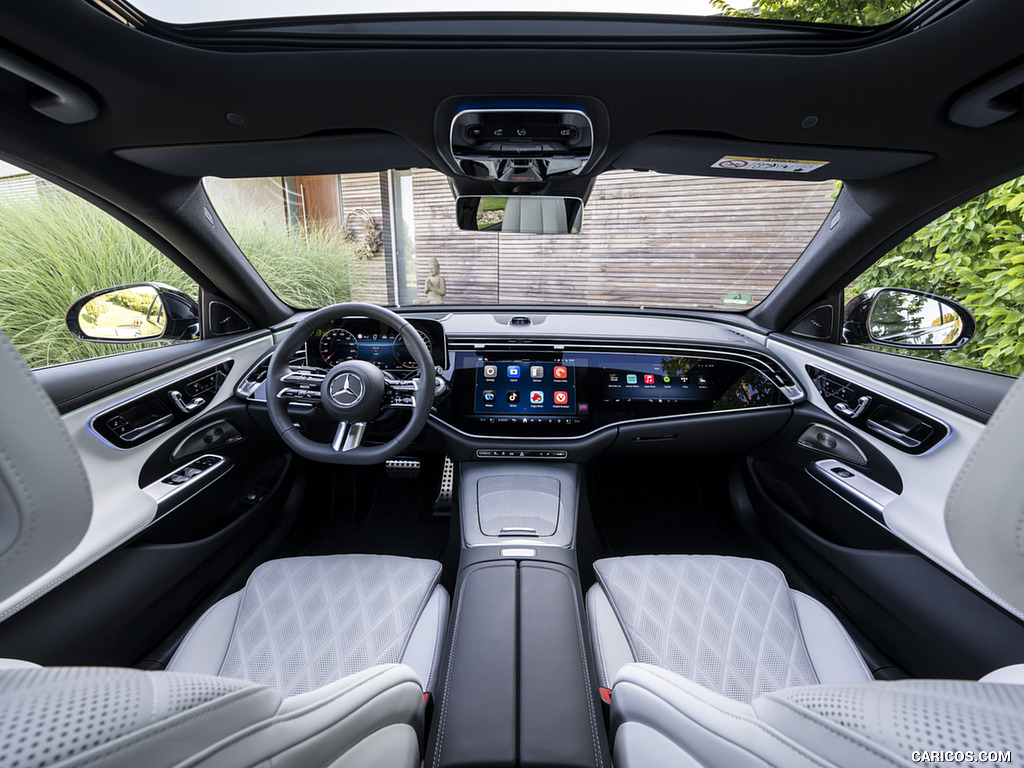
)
(663, 505)
(372, 512)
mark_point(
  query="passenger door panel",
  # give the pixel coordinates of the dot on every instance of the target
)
(887, 562)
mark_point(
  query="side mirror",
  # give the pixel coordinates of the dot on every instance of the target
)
(535, 215)
(906, 319)
(127, 314)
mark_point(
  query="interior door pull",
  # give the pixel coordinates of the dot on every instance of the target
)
(853, 411)
(184, 407)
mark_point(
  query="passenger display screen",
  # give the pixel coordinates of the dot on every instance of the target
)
(525, 388)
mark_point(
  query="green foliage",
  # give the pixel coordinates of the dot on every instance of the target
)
(309, 269)
(859, 13)
(974, 254)
(56, 250)
(52, 253)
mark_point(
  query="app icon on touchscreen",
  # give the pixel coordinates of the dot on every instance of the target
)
(514, 371)
(631, 378)
(561, 398)
(561, 372)
(513, 396)
(489, 395)
(648, 378)
(536, 371)
(490, 371)
(536, 396)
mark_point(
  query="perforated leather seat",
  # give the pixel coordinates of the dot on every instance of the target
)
(726, 682)
(297, 669)
(113, 718)
(301, 623)
(731, 625)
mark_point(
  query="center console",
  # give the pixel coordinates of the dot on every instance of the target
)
(518, 688)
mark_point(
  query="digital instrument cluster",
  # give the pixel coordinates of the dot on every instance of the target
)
(372, 341)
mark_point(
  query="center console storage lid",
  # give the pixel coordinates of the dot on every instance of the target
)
(518, 504)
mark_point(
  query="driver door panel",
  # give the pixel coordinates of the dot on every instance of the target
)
(142, 567)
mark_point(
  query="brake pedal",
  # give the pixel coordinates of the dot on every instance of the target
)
(402, 468)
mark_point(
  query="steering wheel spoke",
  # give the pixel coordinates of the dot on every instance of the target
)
(304, 376)
(349, 435)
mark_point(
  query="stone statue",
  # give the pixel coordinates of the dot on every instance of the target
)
(435, 286)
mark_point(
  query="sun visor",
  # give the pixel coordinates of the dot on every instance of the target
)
(338, 153)
(702, 156)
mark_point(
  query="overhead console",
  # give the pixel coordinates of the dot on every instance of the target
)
(521, 145)
(521, 141)
(548, 392)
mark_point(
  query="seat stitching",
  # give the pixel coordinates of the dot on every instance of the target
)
(588, 694)
(756, 723)
(105, 751)
(443, 715)
(602, 671)
(435, 657)
(618, 614)
(846, 635)
(382, 670)
(831, 727)
(423, 606)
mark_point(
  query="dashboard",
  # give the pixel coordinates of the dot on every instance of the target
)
(584, 378)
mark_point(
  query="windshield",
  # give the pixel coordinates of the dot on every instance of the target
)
(648, 240)
(854, 13)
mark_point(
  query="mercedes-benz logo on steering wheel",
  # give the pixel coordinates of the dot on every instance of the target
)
(347, 390)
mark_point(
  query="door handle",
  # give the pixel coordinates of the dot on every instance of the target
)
(853, 411)
(184, 407)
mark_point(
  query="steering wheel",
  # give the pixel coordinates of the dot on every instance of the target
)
(353, 393)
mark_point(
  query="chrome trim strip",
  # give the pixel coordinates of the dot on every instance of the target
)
(616, 425)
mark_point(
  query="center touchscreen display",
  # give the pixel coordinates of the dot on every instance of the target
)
(525, 388)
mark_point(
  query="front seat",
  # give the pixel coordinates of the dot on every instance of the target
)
(317, 662)
(714, 661)
(730, 624)
(303, 622)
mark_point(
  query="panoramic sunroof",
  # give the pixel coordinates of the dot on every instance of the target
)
(847, 12)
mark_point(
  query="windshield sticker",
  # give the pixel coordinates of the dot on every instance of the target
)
(737, 299)
(736, 163)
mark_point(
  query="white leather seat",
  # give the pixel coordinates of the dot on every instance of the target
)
(318, 662)
(301, 623)
(298, 670)
(662, 720)
(125, 718)
(731, 625)
(702, 705)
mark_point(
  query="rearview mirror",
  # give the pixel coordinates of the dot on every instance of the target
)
(132, 313)
(906, 319)
(535, 215)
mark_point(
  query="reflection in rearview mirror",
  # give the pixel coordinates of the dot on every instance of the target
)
(126, 314)
(531, 215)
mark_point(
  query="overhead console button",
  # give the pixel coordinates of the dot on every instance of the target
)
(559, 141)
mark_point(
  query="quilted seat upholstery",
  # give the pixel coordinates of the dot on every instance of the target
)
(731, 625)
(303, 622)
